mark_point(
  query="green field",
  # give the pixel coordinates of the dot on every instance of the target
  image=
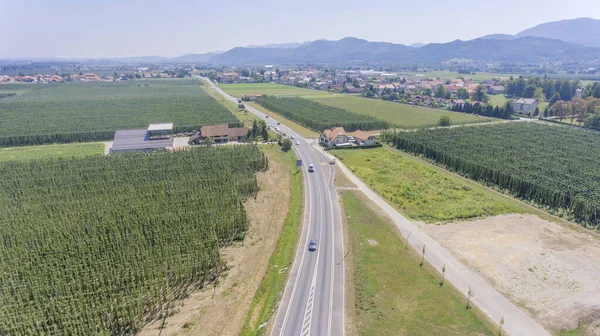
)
(498, 100)
(447, 75)
(399, 115)
(239, 90)
(552, 166)
(317, 117)
(421, 191)
(393, 295)
(24, 153)
(102, 244)
(93, 111)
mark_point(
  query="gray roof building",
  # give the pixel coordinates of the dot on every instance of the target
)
(139, 141)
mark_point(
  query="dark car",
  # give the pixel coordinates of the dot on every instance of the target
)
(312, 246)
(278, 123)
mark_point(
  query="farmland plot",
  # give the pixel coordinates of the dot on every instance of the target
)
(552, 166)
(74, 112)
(101, 245)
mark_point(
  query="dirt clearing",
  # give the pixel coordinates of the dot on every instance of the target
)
(551, 270)
(222, 310)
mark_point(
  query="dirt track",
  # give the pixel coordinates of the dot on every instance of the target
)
(551, 270)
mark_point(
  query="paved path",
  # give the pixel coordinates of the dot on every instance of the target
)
(485, 297)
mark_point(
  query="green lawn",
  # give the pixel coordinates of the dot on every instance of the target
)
(498, 100)
(239, 90)
(424, 192)
(397, 114)
(393, 295)
(55, 151)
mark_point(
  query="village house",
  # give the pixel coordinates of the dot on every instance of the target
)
(525, 105)
(252, 97)
(496, 89)
(219, 133)
(362, 138)
(228, 76)
(335, 136)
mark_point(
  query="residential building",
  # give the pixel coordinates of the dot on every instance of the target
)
(335, 136)
(525, 105)
(496, 89)
(362, 138)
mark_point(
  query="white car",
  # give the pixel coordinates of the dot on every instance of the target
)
(292, 137)
(297, 142)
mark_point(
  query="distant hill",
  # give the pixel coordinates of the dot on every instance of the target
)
(583, 31)
(496, 37)
(417, 45)
(353, 50)
(141, 59)
(290, 45)
(194, 58)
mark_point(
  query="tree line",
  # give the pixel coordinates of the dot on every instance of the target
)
(485, 110)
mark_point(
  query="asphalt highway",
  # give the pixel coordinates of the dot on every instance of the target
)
(313, 299)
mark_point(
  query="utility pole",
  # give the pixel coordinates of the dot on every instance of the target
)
(274, 286)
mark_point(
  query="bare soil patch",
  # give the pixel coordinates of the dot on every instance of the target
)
(221, 310)
(552, 270)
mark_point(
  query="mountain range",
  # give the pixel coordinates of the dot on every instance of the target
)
(576, 40)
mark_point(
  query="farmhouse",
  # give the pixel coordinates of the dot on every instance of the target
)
(496, 89)
(156, 137)
(525, 105)
(219, 133)
(251, 97)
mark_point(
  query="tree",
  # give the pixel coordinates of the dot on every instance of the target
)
(440, 92)
(286, 145)
(265, 132)
(444, 121)
(427, 92)
(209, 142)
(561, 108)
(422, 257)
(529, 91)
(462, 93)
(501, 325)
(555, 97)
(539, 95)
(480, 94)
(579, 109)
(593, 120)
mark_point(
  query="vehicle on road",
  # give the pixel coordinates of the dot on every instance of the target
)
(312, 246)
(239, 101)
(292, 137)
(266, 116)
(311, 168)
(297, 142)
(276, 129)
(278, 123)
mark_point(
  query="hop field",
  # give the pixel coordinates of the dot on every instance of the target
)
(101, 245)
(553, 166)
(71, 112)
(317, 116)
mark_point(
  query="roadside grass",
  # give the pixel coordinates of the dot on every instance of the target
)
(393, 295)
(239, 90)
(424, 192)
(261, 309)
(579, 331)
(301, 130)
(398, 114)
(77, 149)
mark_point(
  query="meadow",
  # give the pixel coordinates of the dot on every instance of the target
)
(24, 153)
(552, 166)
(421, 191)
(101, 245)
(239, 90)
(398, 115)
(393, 295)
(74, 112)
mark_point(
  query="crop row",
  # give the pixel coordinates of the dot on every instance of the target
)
(317, 116)
(101, 245)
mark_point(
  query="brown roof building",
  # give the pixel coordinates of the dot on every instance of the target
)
(220, 133)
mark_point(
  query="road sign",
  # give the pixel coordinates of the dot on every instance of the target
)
(298, 163)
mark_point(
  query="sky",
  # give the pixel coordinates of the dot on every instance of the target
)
(124, 28)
